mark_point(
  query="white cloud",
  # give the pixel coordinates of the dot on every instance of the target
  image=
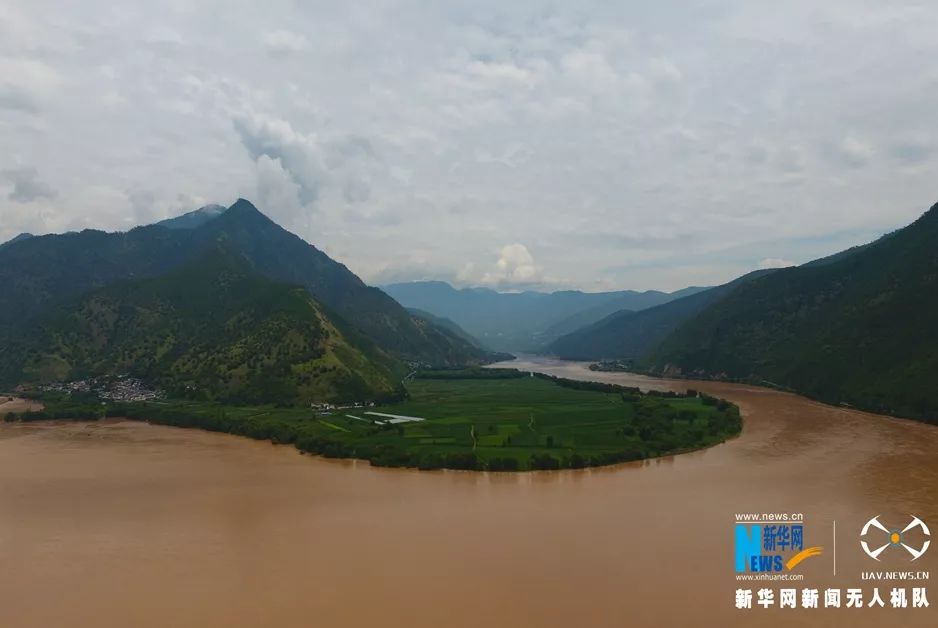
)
(299, 155)
(515, 268)
(854, 151)
(26, 185)
(280, 42)
(590, 68)
(631, 145)
(26, 84)
(665, 70)
(502, 74)
(775, 262)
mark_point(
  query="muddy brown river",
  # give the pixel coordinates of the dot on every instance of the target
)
(124, 524)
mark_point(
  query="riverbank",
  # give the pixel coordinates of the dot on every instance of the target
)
(830, 398)
(234, 533)
(484, 420)
(11, 403)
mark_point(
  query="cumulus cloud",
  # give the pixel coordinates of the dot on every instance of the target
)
(515, 268)
(282, 42)
(298, 154)
(276, 188)
(27, 186)
(853, 151)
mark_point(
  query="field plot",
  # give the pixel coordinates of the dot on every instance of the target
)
(529, 423)
(506, 423)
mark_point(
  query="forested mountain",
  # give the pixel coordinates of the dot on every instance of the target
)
(858, 328)
(44, 272)
(522, 321)
(212, 328)
(628, 335)
(17, 238)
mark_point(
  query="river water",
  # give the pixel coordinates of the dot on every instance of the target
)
(128, 524)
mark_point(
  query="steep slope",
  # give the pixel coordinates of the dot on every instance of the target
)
(193, 219)
(17, 238)
(444, 323)
(520, 321)
(44, 272)
(281, 255)
(214, 328)
(633, 335)
(857, 329)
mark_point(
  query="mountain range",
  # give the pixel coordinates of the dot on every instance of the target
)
(521, 321)
(226, 304)
(855, 328)
(46, 278)
(631, 336)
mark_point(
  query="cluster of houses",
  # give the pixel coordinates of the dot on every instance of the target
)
(329, 408)
(121, 388)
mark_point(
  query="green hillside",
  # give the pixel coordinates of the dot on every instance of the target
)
(857, 329)
(212, 329)
(45, 272)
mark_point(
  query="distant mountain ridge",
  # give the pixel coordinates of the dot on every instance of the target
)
(523, 321)
(632, 336)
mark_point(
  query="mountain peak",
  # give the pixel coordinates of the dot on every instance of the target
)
(243, 206)
(193, 219)
(244, 212)
(22, 236)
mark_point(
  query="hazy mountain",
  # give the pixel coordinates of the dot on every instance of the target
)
(15, 239)
(193, 219)
(858, 328)
(520, 321)
(44, 272)
(214, 327)
(624, 303)
(633, 335)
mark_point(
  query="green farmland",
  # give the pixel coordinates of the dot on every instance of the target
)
(512, 422)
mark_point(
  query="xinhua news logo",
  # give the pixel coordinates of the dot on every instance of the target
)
(770, 543)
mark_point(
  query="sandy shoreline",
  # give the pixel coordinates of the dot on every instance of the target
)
(9, 403)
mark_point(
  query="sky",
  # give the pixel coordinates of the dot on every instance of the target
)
(515, 145)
